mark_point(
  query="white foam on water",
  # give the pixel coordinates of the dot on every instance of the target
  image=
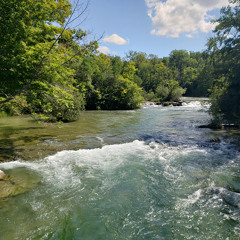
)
(65, 168)
(62, 168)
(104, 176)
(186, 106)
(100, 139)
(192, 199)
(68, 169)
(173, 159)
(197, 105)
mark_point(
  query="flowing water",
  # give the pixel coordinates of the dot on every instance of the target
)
(144, 174)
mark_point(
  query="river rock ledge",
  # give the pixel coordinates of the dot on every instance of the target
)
(175, 104)
(2, 175)
(14, 185)
(164, 104)
(232, 198)
(221, 126)
(7, 186)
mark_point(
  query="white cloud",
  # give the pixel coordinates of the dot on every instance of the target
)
(189, 36)
(104, 50)
(173, 17)
(116, 39)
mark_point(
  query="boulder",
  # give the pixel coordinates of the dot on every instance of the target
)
(232, 198)
(2, 175)
(166, 104)
(175, 104)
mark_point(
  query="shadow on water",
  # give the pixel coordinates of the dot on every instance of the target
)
(22, 138)
(9, 150)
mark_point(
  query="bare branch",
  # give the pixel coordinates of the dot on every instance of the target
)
(81, 13)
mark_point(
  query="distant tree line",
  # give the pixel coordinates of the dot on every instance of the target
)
(51, 71)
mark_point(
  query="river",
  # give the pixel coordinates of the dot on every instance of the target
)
(144, 174)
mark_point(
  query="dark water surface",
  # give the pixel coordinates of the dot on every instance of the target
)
(144, 174)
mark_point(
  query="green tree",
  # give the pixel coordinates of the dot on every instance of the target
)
(225, 49)
(26, 33)
(113, 85)
(37, 57)
(117, 66)
(157, 80)
(180, 59)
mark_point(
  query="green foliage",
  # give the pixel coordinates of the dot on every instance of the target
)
(162, 93)
(59, 106)
(169, 92)
(193, 71)
(123, 94)
(25, 34)
(112, 85)
(117, 66)
(177, 93)
(150, 96)
(158, 81)
(17, 107)
(225, 49)
(38, 59)
(3, 114)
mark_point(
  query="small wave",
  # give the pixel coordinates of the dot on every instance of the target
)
(62, 168)
(196, 105)
(192, 199)
(100, 139)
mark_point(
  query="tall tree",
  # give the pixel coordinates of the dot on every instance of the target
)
(26, 33)
(226, 47)
(37, 50)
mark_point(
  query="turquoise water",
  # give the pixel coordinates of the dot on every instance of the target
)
(144, 174)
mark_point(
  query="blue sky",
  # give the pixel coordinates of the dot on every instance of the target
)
(151, 26)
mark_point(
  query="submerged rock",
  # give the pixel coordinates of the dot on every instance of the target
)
(2, 175)
(232, 198)
(210, 126)
(221, 126)
(175, 104)
(18, 181)
(164, 104)
(7, 188)
(215, 140)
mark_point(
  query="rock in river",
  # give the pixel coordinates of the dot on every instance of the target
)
(17, 181)
(228, 196)
(2, 175)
